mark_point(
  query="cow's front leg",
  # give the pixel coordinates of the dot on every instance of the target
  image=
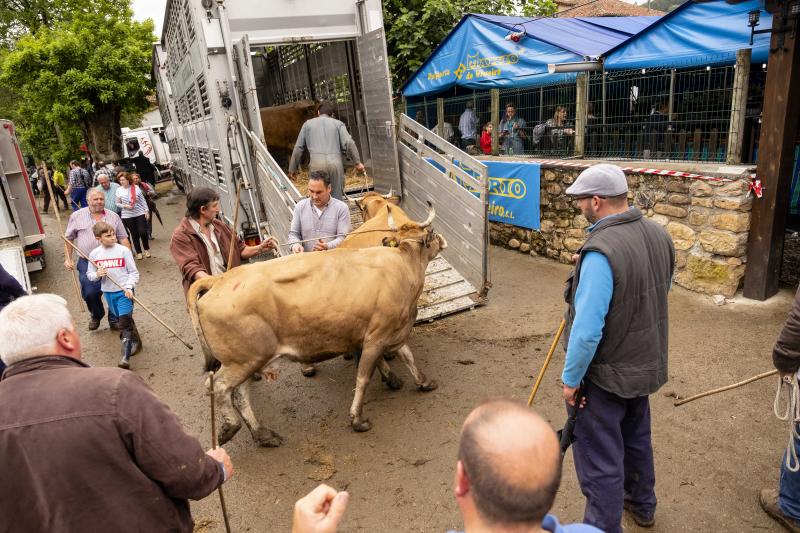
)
(389, 377)
(366, 366)
(264, 437)
(222, 396)
(423, 383)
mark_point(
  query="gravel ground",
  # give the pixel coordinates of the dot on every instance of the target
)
(712, 456)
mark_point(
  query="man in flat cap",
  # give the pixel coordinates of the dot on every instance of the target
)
(616, 343)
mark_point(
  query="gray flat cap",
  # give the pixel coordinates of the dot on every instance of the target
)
(600, 180)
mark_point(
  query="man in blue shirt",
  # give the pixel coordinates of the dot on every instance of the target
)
(508, 471)
(616, 341)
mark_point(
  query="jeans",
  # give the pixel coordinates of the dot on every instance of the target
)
(78, 198)
(92, 295)
(789, 489)
(614, 457)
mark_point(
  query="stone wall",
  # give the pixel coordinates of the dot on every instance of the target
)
(708, 222)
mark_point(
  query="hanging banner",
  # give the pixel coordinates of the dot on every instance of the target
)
(513, 192)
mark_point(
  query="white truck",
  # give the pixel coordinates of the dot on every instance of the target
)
(220, 62)
(21, 230)
(152, 142)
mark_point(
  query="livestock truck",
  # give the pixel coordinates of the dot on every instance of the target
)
(21, 230)
(220, 63)
(151, 141)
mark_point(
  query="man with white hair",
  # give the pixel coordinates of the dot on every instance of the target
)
(88, 449)
(79, 232)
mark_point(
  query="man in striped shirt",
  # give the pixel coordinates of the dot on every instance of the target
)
(320, 222)
(79, 181)
(79, 232)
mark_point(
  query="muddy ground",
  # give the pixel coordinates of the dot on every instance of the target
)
(712, 456)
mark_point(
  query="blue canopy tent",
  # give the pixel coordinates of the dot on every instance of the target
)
(706, 33)
(477, 55)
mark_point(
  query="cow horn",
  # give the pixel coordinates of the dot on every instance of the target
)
(390, 219)
(431, 215)
(391, 192)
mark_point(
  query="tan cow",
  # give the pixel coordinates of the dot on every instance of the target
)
(376, 211)
(361, 299)
(282, 123)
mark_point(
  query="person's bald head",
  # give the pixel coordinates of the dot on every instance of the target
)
(511, 458)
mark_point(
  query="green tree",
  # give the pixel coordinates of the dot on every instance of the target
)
(414, 28)
(81, 72)
(539, 8)
(663, 5)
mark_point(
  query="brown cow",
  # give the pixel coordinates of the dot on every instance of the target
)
(309, 308)
(282, 123)
(377, 210)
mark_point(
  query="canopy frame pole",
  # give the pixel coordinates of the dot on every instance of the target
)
(604, 98)
(440, 118)
(672, 75)
(581, 112)
(495, 96)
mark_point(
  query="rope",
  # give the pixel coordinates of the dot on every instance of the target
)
(791, 413)
(339, 235)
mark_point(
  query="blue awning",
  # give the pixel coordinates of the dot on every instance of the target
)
(707, 33)
(477, 55)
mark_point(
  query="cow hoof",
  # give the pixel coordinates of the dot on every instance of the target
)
(393, 382)
(389, 356)
(266, 438)
(348, 356)
(428, 386)
(308, 371)
(362, 426)
(257, 376)
(227, 432)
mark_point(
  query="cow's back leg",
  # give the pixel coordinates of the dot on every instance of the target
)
(264, 437)
(366, 366)
(222, 396)
(423, 383)
(389, 377)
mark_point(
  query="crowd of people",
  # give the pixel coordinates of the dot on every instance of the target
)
(508, 465)
(515, 135)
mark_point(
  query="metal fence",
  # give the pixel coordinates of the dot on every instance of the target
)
(658, 114)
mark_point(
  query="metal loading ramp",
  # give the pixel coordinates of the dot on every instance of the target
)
(445, 292)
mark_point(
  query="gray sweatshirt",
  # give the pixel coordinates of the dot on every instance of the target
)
(119, 264)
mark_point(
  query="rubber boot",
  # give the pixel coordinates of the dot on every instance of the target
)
(136, 345)
(126, 334)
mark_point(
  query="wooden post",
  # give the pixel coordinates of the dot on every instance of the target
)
(581, 111)
(738, 107)
(775, 160)
(440, 117)
(405, 106)
(495, 96)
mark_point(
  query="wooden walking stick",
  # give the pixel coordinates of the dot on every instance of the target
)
(547, 361)
(235, 222)
(134, 297)
(61, 232)
(723, 389)
(214, 446)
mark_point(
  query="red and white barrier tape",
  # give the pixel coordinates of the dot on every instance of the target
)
(642, 170)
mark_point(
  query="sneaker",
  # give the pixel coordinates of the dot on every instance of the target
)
(124, 364)
(94, 323)
(113, 326)
(769, 502)
(139, 257)
(147, 253)
(640, 519)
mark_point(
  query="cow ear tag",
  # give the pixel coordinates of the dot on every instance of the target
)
(390, 242)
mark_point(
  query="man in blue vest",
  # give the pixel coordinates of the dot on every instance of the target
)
(616, 342)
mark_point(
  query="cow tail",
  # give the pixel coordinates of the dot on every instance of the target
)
(197, 290)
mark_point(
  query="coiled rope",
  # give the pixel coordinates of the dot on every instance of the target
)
(791, 413)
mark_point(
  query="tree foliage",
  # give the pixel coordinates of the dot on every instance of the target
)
(414, 28)
(78, 75)
(663, 5)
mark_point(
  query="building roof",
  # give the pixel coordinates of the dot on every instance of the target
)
(604, 8)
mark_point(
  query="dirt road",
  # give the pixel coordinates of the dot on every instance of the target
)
(712, 456)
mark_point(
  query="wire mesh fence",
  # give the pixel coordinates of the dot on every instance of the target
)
(663, 114)
(655, 114)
